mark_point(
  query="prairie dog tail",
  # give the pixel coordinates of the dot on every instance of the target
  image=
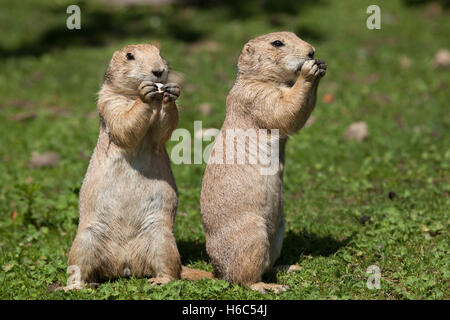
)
(195, 274)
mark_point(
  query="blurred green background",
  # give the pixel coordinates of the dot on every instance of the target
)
(349, 204)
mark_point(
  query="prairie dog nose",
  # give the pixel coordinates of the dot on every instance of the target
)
(158, 72)
(311, 54)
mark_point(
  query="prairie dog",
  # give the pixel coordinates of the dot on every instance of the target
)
(128, 199)
(242, 210)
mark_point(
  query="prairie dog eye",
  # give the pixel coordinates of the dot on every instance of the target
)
(130, 56)
(277, 43)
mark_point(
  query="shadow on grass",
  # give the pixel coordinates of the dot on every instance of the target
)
(238, 9)
(192, 251)
(295, 246)
(104, 24)
(308, 244)
(274, 12)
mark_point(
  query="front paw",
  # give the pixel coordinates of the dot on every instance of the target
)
(313, 69)
(171, 92)
(322, 67)
(148, 92)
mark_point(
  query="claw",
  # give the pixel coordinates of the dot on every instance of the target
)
(171, 92)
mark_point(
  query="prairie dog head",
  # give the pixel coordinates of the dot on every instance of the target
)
(276, 56)
(133, 64)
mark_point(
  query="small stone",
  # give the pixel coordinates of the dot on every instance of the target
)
(7, 267)
(294, 268)
(442, 59)
(328, 98)
(405, 62)
(357, 131)
(205, 108)
(47, 159)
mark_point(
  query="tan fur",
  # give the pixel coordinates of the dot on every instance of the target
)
(242, 209)
(195, 274)
(128, 198)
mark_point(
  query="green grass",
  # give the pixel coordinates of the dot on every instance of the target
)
(51, 75)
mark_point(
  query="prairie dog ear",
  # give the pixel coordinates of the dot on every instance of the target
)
(246, 60)
(157, 44)
(248, 49)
